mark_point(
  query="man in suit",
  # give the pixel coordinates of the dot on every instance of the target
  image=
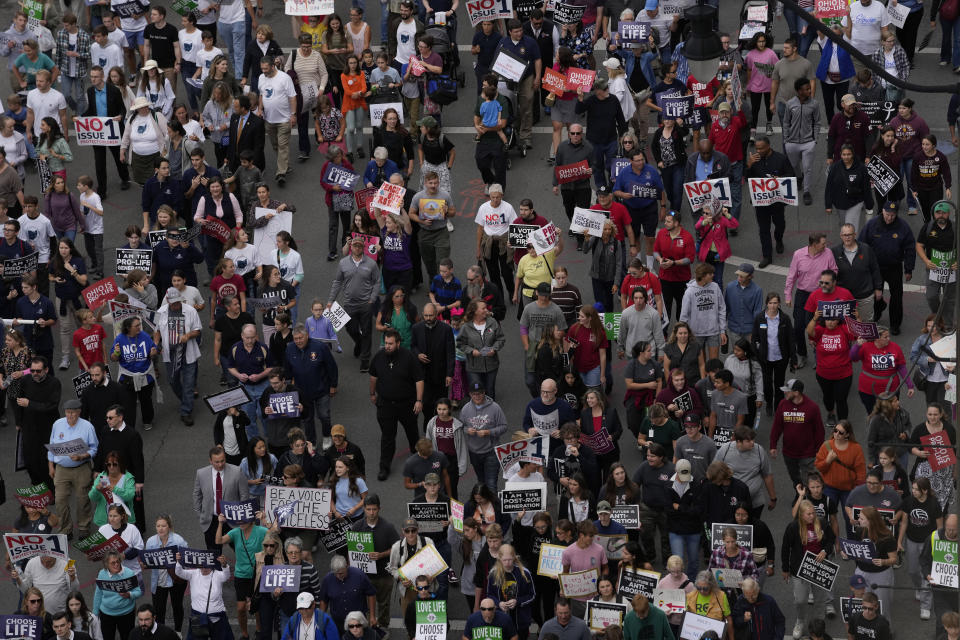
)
(104, 100)
(252, 134)
(100, 396)
(147, 626)
(214, 484)
(63, 627)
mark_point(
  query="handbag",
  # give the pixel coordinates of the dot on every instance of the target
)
(200, 623)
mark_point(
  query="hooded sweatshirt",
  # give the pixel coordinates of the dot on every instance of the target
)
(488, 415)
(801, 426)
(704, 309)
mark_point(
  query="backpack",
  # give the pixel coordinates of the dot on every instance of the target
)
(442, 89)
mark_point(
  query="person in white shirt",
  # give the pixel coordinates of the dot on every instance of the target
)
(206, 596)
(232, 29)
(52, 577)
(406, 35)
(866, 25)
(114, 33)
(278, 106)
(205, 56)
(42, 102)
(191, 41)
(191, 295)
(133, 20)
(38, 231)
(178, 327)
(103, 52)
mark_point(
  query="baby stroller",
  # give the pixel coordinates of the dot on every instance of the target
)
(750, 27)
(442, 38)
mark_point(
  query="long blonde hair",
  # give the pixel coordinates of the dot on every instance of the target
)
(817, 526)
(499, 573)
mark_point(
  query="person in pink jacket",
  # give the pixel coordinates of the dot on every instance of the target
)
(714, 247)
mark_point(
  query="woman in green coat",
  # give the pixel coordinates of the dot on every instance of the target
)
(109, 486)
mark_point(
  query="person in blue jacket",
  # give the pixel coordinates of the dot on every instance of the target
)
(115, 610)
(173, 255)
(310, 364)
(489, 616)
(834, 72)
(323, 625)
(510, 586)
(639, 188)
(379, 169)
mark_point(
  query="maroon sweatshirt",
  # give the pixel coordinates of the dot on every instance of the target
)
(930, 173)
(801, 427)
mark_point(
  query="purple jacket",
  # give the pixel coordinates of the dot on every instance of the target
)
(64, 212)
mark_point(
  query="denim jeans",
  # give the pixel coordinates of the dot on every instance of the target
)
(354, 131)
(687, 546)
(75, 92)
(233, 36)
(183, 382)
(69, 233)
(384, 20)
(252, 408)
(602, 155)
(906, 165)
(187, 69)
(487, 378)
(486, 467)
(673, 183)
(950, 42)
(316, 409)
(795, 26)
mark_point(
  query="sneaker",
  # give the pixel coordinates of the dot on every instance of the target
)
(452, 577)
(766, 262)
(809, 601)
(798, 628)
(868, 212)
(327, 443)
(147, 426)
(912, 211)
(187, 419)
(303, 157)
(831, 611)
(807, 198)
(924, 614)
(449, 225)
(780, 247)
(944, 63)
(956, 70)
(64, 363)
(769, 129)
(552, 160)
(125, 185)
(331, 256)
(281, 179)
(801, 362)
(364, 366)
(832, 420)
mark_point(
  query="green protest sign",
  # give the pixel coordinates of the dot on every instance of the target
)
(359, 546)
(431, 619)
(944, 569)
(38, 496)
(611, 323)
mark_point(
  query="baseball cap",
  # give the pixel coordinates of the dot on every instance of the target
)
(410, 522)
(691, 419)
(603, 507)
(338, 430)
(745, 269)
(941, 206)
(543, 289)
(857, 581)
(304, 600)
(793, 385)
(174, 295)
(603, 190)
(429, 122)
(476, 387)
(724, 106)
(357, 240)
(847, 99)
(890, 205)
(611, 63)
(684, 470)
(431, 478)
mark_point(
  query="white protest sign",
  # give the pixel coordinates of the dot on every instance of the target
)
(550, 560)
(427, 562)
(534, 449)
(377, 111)
(702, 191)
(310, 507)
(587, 220)
(509, 66)
(897, 14)
(944, 568)
(96, 131)
(695, 625)
(308, 7)
(670, 600)
(337, 316)
(23, 546)
(480, 10)
(266, 236)
(545, 238)
(389, 197)
(580, 584)
(767, 191)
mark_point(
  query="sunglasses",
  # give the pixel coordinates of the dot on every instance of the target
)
(34, 601)
(36, 371)
(267, 545)
(355, 626)
(840, 432)
(422, 588)
(410, 530)
(488, 608)
(112, 464)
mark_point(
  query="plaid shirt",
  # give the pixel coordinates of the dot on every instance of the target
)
(83, 48)
(899, 59)
(744, 562)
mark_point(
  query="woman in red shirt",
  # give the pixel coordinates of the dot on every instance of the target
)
(883, 368)
(832, 339)
(674, 249)
(589, 341)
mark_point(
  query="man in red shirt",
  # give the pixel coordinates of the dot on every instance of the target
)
(828, 292)
(725, 135)
(618, 214)
(639, 276)
(799, 421)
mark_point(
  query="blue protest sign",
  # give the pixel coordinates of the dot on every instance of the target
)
(341, 176)
(165, 558)
(283, 576)
(240, 512)
(199, 559)
(284, 405)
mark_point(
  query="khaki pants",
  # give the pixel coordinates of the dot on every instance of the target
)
(67, 482)
(279, 135)
(525, 95)
(384, 586)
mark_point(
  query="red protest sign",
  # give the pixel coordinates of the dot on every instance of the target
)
(416, 66)
(832, 8)
(371, 244)
(940, 449)
(100, 293)
(216, 229)
(572, 172)
(364, 197)
(554, 81)
(580, 79)
(389, 197)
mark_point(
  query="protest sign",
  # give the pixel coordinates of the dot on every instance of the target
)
(820, 574)
(677, 107)
(359, 547)
(527, 499)
(545, 238)
(880, 112)
(550, 560)
(883, 177)
(363, 198)
(849, 607)
(100, 293)
(429, 515)
(426, 562)
(38, 496)
(371, 244)
(456, 515)
(337, 316)
(940, 449)
(943, 272)
(700, 192)
(389, 197)
(767, 191)
(756, 14)
(280, 576)
(509, 65)
(480, 10)
(694, 626)
(121, 585)
(634, 32)
(675, 7)
(308, 7)
(832, 8)
(153, 237)
(579, 584)
(897, 14)
(522, 9)
(378, 109)
(311, 507)
(232, 397)
(18, 626)
(865, 330)
(341, 176)
(182, 7)
(670, 600)
(553, 82)
(626, 514)
(23, 546)
(334, 538)
(722, 435)
(640, 581)
(567, 13)
(580, 79)
(612, 545)
(684, 402)
(943, 571)
(97, 132)
(199, 559)
(240, 512)
(130, 259)
(599, 442)
(284, 405)
(265, 239)
(702, 117)
(431, 619)
(95, 546)
(164, 558)
(744, 534)
(617, 165)
(858, 549)
(120, 311)
(728, 578)
(835, 308)
(216, 229)
(73, 447)
(572, 172)
(19, 267)
(44, 173)
(601, 615)
(517, 235)
(587, 220)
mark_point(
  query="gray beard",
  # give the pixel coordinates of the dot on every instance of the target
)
(474, 291)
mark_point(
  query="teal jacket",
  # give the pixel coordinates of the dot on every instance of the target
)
(113, 604)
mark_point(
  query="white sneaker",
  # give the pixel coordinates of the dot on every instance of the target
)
(450, 225)
(147, 426)
(831, 611)
(810, 599)
(798, 630)
(924, 614)
(64, 363)
(916, 596)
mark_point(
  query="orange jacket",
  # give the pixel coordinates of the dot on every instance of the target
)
(350, 84)
(849, 470)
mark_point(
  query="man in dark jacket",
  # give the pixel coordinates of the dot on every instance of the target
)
(479, 288)
(147, 626)
(160, 189)
(63, 627)
(39, 400)
(762, 163)
(104, 100)
(574, 193)
(943, 599)
(894, 244)
(849, 126)
(384, 535)
(757, 614)
(433, 345)
(314, 371)
(720, 493)
(247, 131)
(396, 388)
(858, 271)
(605, 125)
(100, 396)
